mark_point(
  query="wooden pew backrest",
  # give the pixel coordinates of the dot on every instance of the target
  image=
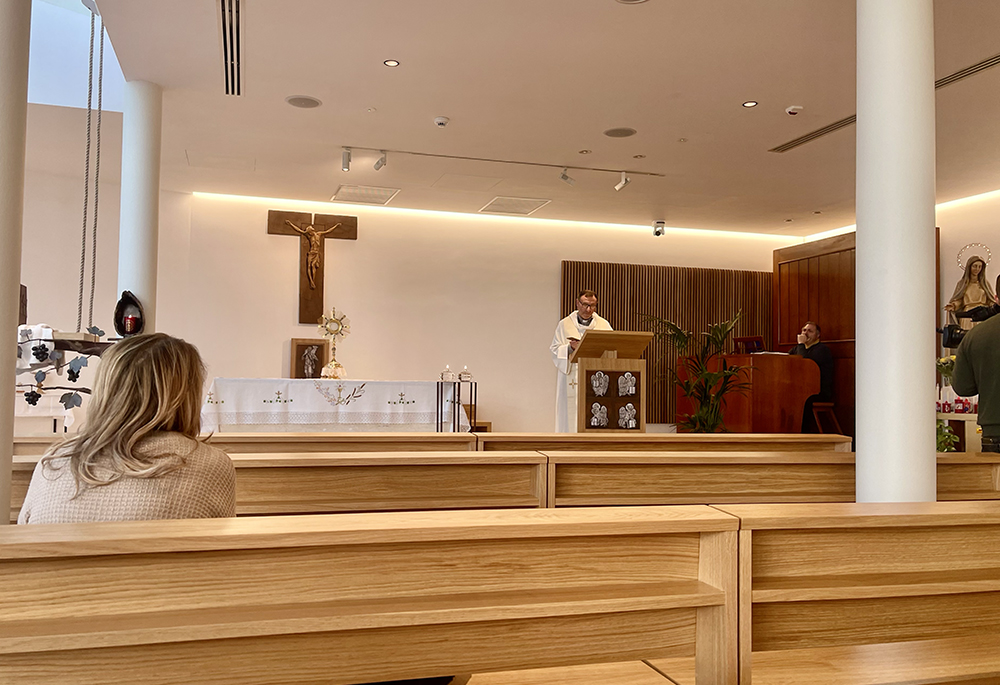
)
(689, 442)
(363, 597)
(819, 577)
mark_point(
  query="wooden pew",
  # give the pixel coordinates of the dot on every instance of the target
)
(664, 442)
(594, 478)
(868, 594)
(269, 443)
(315, 483)
(364, 597)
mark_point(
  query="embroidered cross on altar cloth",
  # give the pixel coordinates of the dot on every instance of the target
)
(245, 405)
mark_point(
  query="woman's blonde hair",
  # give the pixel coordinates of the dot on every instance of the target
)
(144, 384)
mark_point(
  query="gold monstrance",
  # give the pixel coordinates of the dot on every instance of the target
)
(333, 326)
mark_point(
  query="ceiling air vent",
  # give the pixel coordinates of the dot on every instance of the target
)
(521, 206)
(365, 195)
(837, 125)
(231, 28)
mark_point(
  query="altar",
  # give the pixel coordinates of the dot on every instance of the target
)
(308, 405)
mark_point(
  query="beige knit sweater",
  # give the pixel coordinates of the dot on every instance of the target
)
(204, 486)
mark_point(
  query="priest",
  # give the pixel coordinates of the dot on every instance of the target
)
(567, 338)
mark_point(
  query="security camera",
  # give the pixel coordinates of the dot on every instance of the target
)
(441, 122)
(659, 228)
(793, 110)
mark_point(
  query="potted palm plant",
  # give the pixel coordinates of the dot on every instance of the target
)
(704, 377)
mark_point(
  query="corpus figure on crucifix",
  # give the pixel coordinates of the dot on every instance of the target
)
(312, 231)
(315, 246)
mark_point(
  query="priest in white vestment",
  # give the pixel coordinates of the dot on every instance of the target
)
(567, 338)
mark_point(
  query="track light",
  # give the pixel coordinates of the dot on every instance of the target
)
(381, 161)
(622, 183)
(346, 163)
(565, 178)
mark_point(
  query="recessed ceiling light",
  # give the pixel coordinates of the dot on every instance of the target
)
(303, 101)
(372, 110)
(585, 152)
(817, 212)
(750, 103)
(631, 2)
(638, 156)
(391, 63)
(682, 140)
(623, 132)
(788, 221)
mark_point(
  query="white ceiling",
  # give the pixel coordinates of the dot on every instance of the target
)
(537, 81)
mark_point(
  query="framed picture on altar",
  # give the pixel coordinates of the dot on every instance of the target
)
(309, 356)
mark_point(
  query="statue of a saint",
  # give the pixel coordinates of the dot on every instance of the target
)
(972, 291)
(315, 248)
(309, 361)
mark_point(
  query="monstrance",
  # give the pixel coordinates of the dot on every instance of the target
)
(334, 326)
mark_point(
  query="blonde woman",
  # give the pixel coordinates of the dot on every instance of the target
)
(138, 456)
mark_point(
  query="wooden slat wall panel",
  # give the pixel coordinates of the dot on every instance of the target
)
(692, 298)
(815, 282)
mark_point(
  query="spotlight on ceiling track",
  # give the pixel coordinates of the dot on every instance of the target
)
(622, 183)
(346, 160)
(565, 177)
(380, 162)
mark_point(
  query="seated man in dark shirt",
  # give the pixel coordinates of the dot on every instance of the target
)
(811, 348)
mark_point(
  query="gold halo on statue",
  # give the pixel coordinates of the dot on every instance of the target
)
(976, 249)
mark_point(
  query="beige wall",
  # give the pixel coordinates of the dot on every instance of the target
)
(421, 289)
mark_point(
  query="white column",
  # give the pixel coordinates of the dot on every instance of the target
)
(140, 205)
(896, 459)
(15, 27)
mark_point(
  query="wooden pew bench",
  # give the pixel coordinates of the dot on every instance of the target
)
(664, 442)
(365, 597)
(315, 483)
(868, 594)
(595, 478)
(236, 443)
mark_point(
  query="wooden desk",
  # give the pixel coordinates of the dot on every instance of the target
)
(780, 384)
(365, 597)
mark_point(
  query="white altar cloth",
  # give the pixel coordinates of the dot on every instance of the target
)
(305, 405)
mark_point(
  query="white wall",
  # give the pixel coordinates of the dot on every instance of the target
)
(422, 289)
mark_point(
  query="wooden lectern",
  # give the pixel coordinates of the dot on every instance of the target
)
(780, 384)
(611, 395)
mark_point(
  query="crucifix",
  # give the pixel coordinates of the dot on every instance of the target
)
(313, 231)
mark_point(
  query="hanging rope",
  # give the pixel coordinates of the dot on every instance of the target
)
(97, 176)
(86, 181)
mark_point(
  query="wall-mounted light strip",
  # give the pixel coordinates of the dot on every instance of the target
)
(319, 205)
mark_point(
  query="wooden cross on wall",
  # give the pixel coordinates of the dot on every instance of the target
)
(312, 230)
